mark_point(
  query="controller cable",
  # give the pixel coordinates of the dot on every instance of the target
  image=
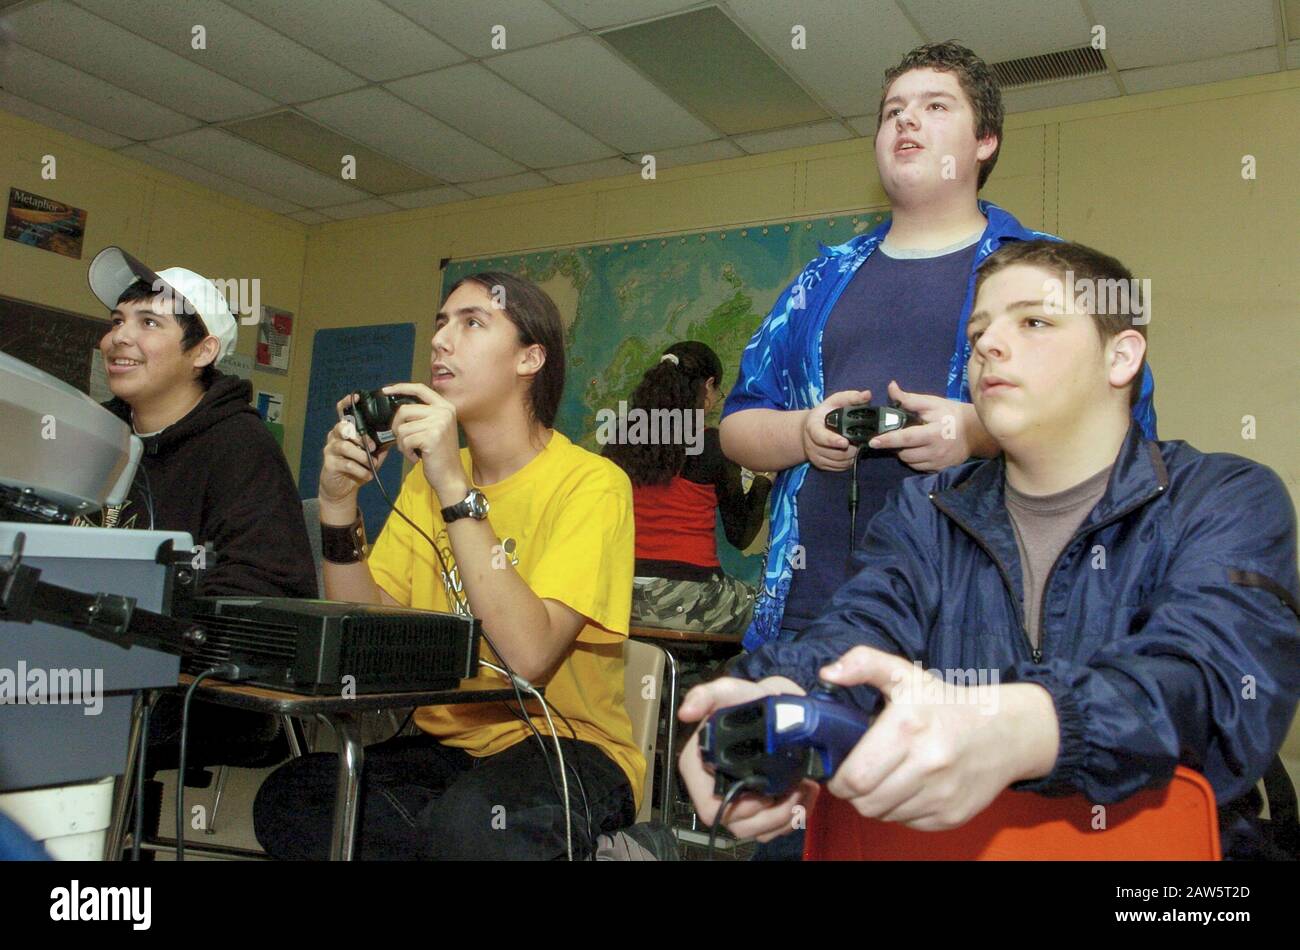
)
(733, 790)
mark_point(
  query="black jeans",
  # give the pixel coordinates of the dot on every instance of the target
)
(421, 800)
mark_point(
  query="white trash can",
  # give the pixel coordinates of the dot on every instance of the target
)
(71, 821)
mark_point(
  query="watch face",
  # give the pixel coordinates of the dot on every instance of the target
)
(478, 504)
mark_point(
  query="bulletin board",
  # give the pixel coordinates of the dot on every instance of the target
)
(343, 361)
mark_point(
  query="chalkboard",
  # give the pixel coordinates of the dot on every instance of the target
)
(344, 361)
(56, 341)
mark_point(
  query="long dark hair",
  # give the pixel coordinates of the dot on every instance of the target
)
(666, 385)
(538, 320)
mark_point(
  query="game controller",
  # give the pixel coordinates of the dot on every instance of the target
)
(775, 741)
(862, 423)
(372, 415)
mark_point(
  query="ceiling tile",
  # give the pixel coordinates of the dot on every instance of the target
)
(428, 197)
(601, 13)
(1160, 32)
(358, 209)
(605, 168)
(243, 161)
(514, 123)
(468, 24)
(864, 125)
(52, 84)
(1293, 55)
(209, 179)
(98, 47)
(310, 217)
(793, 138)
(237, 46)
(839, 64)
(369, 38)
(57, 120)
(389, 125)
(694, 154)
(1017, 28)
(1194, 74)
(1059, 94)
(500, 186)
(588, 84)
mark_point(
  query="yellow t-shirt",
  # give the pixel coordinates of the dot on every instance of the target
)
(564, 522)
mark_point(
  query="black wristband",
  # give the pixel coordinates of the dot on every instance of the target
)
(344, 544)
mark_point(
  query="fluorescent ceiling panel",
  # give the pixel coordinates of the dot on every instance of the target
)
(243, 161)
(385, 122)
(237, 46)
(323, 149)
(468, 24)
(709, 65)
(98, 47)
(586, 83)
(54, 85)
(489, 109)
(366, 36)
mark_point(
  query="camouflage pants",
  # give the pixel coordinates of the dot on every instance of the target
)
(720, 605)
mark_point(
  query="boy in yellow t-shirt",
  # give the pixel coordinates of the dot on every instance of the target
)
(537, 537)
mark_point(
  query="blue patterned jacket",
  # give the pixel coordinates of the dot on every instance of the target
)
(781, 368)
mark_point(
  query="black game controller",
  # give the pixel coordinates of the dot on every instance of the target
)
(773, 742)
(862, 423)
(372, 415)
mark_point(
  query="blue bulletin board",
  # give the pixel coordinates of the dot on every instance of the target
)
(343, 361)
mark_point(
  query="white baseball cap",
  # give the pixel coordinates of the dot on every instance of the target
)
(113, 270)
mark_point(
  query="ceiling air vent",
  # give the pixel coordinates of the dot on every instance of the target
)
(1050, 67)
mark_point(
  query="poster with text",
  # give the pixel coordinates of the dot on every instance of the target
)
(44, 223)
(274, 334)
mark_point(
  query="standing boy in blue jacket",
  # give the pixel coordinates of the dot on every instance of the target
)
(1133, 603)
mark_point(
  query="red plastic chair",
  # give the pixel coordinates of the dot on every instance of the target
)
(1176, 823)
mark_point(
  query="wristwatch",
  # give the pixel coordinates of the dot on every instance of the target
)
(474, 506)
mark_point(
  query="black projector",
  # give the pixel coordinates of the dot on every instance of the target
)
(314, 646)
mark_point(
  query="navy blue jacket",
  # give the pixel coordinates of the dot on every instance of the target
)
(1169, 624)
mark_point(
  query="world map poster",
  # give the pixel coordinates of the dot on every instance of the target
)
(624, 302)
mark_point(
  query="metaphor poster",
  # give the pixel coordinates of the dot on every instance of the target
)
(44, 223)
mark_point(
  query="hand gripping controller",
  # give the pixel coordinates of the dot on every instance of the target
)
(862, 423)
(775, 741)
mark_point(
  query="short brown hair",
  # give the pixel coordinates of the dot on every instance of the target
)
(976, 80)
(538, 321)
(1083, 263)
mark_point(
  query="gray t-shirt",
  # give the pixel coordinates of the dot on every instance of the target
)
(1044, 524)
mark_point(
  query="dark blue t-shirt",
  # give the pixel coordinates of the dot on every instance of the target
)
(897, 319)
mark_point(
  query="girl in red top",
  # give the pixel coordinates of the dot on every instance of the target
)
(678, 487)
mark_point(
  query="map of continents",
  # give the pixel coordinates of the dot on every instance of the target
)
(624, 302)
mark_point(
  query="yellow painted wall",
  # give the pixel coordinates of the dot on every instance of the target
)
(163, 220)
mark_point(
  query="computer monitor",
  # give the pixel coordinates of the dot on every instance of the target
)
(64, 454)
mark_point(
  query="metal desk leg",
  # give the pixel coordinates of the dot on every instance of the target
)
(669, 809)
(124, 791)
(347, 793)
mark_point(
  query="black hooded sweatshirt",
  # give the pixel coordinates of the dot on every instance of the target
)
(219, 474)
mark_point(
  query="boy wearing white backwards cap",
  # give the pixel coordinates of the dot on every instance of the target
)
(210, 466)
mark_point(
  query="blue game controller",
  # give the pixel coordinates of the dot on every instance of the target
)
(773, 742)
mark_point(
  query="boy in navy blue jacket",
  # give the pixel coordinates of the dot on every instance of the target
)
(1107, 606)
